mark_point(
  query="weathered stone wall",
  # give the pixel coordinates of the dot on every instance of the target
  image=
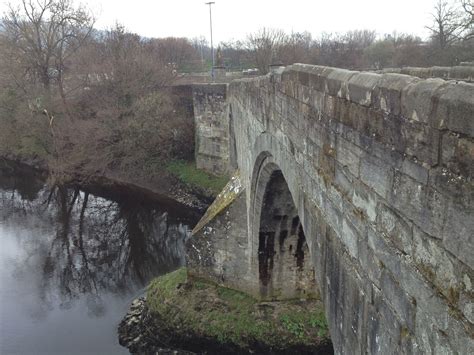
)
(461, 72)
(379, 167)
(212, 127)
(219, 244)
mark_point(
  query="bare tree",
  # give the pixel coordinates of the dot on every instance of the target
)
(263, 46)
(46, 33)
(296, 48)
(175, 51)
(446, 27)
(467, 22)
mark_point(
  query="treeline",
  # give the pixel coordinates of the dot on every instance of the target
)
(93, 100)
(451, 42)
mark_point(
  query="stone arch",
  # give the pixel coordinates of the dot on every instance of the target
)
(281, 254)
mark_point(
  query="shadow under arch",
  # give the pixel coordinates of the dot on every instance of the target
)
(281, 255)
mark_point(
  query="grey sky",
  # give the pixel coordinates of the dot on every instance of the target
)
(236, 18)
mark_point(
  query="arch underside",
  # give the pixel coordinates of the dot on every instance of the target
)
(284, 264)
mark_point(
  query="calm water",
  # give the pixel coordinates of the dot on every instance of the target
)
(71, 260)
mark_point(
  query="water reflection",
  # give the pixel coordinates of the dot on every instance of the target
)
(80, 250)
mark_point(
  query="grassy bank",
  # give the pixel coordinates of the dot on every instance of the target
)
(187, 172)
(209, 311)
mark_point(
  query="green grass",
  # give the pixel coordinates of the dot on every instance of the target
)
(298, 322)
(230, 316)
(187, 172)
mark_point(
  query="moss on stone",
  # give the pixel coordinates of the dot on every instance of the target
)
(228, 194)
(195, 306)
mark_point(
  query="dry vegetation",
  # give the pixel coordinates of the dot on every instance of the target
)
(86, 100)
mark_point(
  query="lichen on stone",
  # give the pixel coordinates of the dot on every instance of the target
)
(228, 194)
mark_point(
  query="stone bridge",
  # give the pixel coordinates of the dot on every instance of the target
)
(353, 187)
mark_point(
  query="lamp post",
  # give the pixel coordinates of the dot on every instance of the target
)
(212, 46)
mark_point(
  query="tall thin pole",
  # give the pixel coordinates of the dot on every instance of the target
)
(212, 46)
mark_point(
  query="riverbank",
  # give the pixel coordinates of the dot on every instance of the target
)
(198, 316)
(161, 182)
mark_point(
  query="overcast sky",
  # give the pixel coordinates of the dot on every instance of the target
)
(233, 19)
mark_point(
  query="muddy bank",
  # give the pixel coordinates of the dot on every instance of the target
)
(161, 184)
(199, 317)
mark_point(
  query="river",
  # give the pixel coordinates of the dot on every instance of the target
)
(73, 258)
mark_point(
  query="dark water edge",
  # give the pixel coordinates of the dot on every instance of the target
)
(164, 188)
(73, 257)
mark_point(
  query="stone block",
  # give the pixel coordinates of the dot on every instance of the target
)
(458, 188)
(337, 82)
(383, 252)
(458, 236)
(428, 302)
(455, 108)
(380, 126)
(376, 174)
(365, 200)
(341, 113)
(333, 215)
(343, 180)
(395, 228)
(369, 263)
(349, 132)
(439, 72)
(356, 218)
(350, 237)
(466, 306)
(399, 300)
(304, 95)
(317, 79)
(389, 92)
(348, 155)
(303, 78)
(461, 341)
(418, 100)
(383, 329)
(430, 338)
(361, 88)
(335, 196)
(435, 263)
(457, 154)
(420, 141)
(423, 205)
(415, 170)
(461, 72)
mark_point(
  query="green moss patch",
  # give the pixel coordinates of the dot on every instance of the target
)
(187, 172)
(204, 309)
(228, 194)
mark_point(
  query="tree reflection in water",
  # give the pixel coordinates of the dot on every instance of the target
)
(86, 245)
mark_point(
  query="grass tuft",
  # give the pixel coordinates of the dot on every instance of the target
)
(187, 172)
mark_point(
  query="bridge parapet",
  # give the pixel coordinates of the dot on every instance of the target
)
(379, 167)
(464, 72)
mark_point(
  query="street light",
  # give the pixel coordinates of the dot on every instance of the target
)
(212, 46)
